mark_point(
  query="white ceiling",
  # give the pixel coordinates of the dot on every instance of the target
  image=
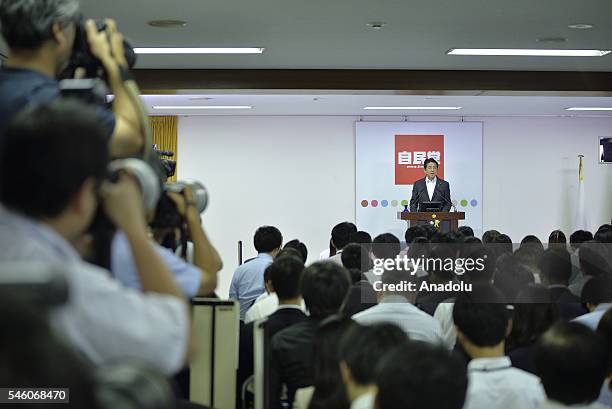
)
(328, 104)
(333, 34)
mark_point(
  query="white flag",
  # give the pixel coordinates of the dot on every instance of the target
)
(580, 221)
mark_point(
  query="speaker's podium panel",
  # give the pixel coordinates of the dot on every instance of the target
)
(213, 371)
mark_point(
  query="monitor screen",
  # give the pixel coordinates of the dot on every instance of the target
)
(430, 206)
(605, 149)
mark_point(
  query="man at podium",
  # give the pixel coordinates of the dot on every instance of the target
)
(430, 193)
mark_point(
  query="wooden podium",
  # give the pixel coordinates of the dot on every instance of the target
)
(414, 218)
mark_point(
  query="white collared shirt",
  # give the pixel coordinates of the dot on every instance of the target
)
(495, 384)
(365, 401)
(266, 306)
(431, 186)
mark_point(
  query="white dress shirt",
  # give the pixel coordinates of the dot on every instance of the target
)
(102, 319)
(265, 306)
(431, 186)
(494, 384)
(444, 315)
(365, 401)
(395, 309)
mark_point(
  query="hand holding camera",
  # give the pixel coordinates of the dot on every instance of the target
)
(123, 203)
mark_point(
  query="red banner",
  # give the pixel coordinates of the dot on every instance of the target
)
(411, 151)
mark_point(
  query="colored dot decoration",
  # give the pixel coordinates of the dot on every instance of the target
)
(474, 202)
(364, 203)
(374, 203)
(404, 202)
(394, 203)
(384, 203)
(464, 203)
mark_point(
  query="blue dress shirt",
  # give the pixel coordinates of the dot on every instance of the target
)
(248, 282)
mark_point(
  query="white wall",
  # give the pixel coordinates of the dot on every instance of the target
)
(298, 173)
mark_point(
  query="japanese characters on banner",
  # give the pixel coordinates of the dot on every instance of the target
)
(390, 157)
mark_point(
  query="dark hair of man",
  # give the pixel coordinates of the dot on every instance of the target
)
(48, 153)
(604, 328)
(267, 239)
(487, 237)
(503, 244)
(571, 361)
(428, 161)
(285, 273)
(341, 234)
(361, 237)
(557, 237)
(592, 259)
(604, 236)
(362, 347)
(531, 239)
(533, 314)
(511, 277)
(299, 246)
(413, 374)
(27, 24)
(290, 252)
(385, 246)
(441, 252)
(324, 286)
(466, 231)
(329, 390)
(580, 236)
(354, 256)
(598, 290)
(413, 232)
(556, 265)
(481, 315)
(486, 258)
(395, 277)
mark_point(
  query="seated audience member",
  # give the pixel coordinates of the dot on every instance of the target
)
(199, 278)
(412, 233)
(533, 242)
(361, 294)
(396, 306)
(417, 375)
(576, 239)
(529, 256)
(511, 277)
(248, 283)
(267, 303)
(428, 301)
(502, 244)
(62, 160)
(556, 268)
(384, 246)
(489, 235)
(363, 238)
(482, 322)
(597, 296)
(605, 330)
(572, 363)
(466, 231)
(328, 390)
(557, 239)
(324, 287)
(341, 236)
(592, 263)
(299, 246)
(533, 314)
(360, 351)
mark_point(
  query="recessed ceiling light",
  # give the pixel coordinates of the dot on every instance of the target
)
(200, 98)
(197, 50)
(551, 40)
(167, 23)
(589, 109)
(376, 25)
(179, 107)
(580, 26)
(411, 108)
(527, 52)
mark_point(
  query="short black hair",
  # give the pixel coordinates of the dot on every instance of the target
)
(414, 374)
(598, 290)
(413, 232)
(604, 235)
(571, 361)
(511, 277)
(441, 252)
(557, 237)
(289, 252)
(428, 161)
(362, 347)
(361, 237)
(556, 265)
(580, 236)
(481, 315)
(487, 237)
(354, 256)
(299, 246)
(267, 238)
(341, 234)
(534, 313)
(592, 259)
(285, 273)
(604, 328)
(385, 246)
(324, 286)
(466, 231)
(487, 260)
(49, 151)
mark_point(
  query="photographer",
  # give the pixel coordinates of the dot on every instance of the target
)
(52, 177)
(198, 278)
(41, 35)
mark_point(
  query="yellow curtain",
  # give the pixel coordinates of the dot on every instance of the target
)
(165, 135)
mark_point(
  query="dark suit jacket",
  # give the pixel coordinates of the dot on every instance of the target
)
(441, 194)
(569, 304)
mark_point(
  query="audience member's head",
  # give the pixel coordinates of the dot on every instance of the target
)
(299, 246)
(580, 236)
(436, 270)
(61, 153)
(341, 234)
(533, 242)
(324, 286)
(289, 252)
(556, 266)
(487, 237)
(572, 363)
(511, 277)
(413, 232)
(268, 239)
(534, 313)
(354, 256)
(395, 283)
(418, 375)
(466, 231)
(361, 349)
(604, 328)
(485, 261)
(598, 290)
(361, 237)
(481, 319)
(268, 280)
(385, 246)
(604, 234)
(592, 256)
(285, 274)
(557, 237)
